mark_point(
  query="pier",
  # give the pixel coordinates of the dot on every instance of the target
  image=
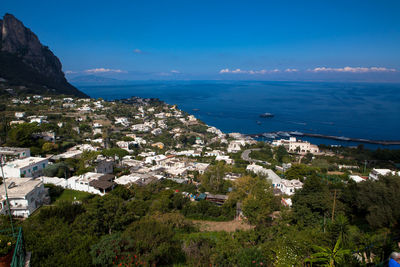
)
(338, 138)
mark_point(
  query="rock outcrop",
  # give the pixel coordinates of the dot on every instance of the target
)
(25, 61)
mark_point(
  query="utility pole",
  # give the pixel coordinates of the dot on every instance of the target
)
(334, 204)
(365, 165)
(5, 188)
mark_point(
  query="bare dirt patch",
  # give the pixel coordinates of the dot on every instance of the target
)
(335, 173)
(230, 226)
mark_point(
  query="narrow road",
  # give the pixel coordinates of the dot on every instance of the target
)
(246, 156)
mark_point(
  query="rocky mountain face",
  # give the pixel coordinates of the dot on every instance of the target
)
(24, 61)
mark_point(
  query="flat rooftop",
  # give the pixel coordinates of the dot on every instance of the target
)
(19, 187)
(21, 163)
(11, 150)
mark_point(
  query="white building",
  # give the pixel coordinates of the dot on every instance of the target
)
(27, 167)
(123, 121)
(156, 131)
(375, 173)
(356, 178)
(24, 195)
(214, 153)
(127, 179)
(15, 152)
(289, 187)
(227, 159)
(200, 167)
(95, 183)
(140, 127)
(125, 145)
(157, 158)
(293, 145)
(19, 115)
(235, 146)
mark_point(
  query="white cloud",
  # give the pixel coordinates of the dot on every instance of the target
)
(137, 51)
(103, 70)
(239, 71)
(291, 70)
(352, 69)
(70, 72)
(175, 71)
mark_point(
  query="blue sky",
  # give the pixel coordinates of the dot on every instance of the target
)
(261, 40)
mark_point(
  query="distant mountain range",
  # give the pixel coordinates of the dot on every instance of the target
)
(26, 65)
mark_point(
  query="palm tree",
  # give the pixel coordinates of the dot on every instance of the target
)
(329, 257)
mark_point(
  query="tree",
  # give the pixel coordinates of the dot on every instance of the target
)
(48, 147)
(257, 197)
(379, 200)
(21, 135)
(299, 171)
(115, 152)
(281, 153)
(312, 202)
(330, 256)
(213, 179)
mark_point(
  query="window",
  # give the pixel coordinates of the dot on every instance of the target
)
(35, 168)
(24, 172)
(44, 165)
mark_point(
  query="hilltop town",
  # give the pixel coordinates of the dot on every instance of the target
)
(60, 150)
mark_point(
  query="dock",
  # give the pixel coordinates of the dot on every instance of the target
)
(338, 138)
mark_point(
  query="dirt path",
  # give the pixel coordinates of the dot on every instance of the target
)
(230, 226)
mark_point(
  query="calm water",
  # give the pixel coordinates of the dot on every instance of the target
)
(358, 110)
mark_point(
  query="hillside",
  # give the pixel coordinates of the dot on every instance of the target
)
(26, 65)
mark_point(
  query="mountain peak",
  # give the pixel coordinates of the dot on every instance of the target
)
(25, 61)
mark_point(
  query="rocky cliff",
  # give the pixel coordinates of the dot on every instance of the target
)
(24, 61)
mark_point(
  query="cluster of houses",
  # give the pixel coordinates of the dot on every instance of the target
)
(24, 177)
(373, 175)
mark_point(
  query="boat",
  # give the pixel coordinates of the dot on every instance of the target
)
(196, 109)
(259, 122)
(269, 135)
(285, 134)
(267, 115)
(296, 133)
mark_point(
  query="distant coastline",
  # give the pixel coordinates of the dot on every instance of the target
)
(351, 113)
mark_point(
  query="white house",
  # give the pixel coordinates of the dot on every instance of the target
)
(293, 145)
(125, 145)
(27, 167)
(375, 173)
(15, 152)
(156, 131)
(227, 159)
(19, 115)
(356, 178)
(235, 146)
(214, 153)
(24, 195)
(95, 183)
(270, 174)
(157, 158)
(122, 120)
(289, 187)
(127, 179)
(140, 127)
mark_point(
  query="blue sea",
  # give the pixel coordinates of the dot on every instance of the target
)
(356, 110)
